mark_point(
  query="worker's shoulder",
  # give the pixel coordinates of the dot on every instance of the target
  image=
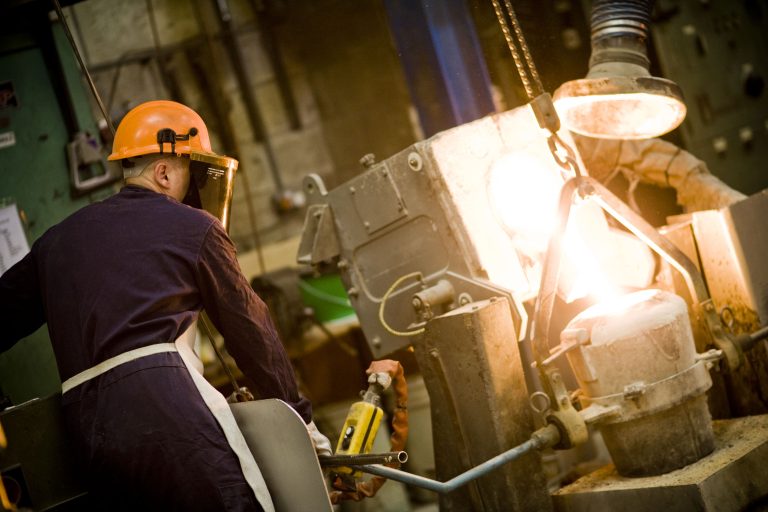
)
(133, 207)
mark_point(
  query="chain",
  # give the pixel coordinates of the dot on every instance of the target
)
(569, 162)
(525, 77)
(524, 48)
(513, 49)
(540, 102)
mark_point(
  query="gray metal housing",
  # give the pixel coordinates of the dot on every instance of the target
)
(426, 210)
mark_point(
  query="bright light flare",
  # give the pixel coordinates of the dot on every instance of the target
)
(583, 272)
(619, 305)
(596, 261)
(621, 116)
(524, 192)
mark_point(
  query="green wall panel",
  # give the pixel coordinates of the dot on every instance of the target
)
(34, 173)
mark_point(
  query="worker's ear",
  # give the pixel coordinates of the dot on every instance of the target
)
(161, 174)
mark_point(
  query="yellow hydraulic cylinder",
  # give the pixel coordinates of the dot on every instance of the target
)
(360, 427)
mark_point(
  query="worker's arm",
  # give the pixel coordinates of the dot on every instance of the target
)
(244, 321)
(21, 305)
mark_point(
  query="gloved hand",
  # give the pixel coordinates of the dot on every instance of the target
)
(319, 441)
(241, 395)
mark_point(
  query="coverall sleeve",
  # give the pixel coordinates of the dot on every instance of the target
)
(21, 303)
(244, 321)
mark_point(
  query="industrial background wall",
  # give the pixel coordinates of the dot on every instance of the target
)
(291, 87)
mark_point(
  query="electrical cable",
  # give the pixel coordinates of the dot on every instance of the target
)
(384, 299)
(63, 20)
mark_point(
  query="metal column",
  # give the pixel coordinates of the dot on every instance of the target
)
(472, 369)
(443, 62)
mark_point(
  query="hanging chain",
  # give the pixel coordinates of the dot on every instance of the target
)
(530, 76)
(524, 47)
(513, 49)
(539, 100)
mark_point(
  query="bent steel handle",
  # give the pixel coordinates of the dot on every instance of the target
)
(704, 308)
(589, 188)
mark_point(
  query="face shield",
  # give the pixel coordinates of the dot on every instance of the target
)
(211, 181)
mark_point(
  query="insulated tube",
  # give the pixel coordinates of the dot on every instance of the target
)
(626, 17)
(619, 31)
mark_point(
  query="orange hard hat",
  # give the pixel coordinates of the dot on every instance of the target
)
(158, 127)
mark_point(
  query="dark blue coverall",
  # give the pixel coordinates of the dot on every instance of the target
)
(131, 271)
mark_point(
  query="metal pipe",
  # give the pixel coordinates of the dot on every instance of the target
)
(271, 46)
(71, 39)
(542, 438)
(759, 335)
(364, 458)
(249, 100)
(748, 341)
(220, 109)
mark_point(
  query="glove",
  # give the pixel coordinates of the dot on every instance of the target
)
(241, 395)
(319, 441)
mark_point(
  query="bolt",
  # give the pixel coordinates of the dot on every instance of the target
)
(352, 190)
(368, 160)
(376, 341)
(434, 353)
(416, 303)
(342, 264)
(353, 292)
(318, 214)
(367, 225)
(414, 161)
(709, 306)
(564, 401)
(384, 172)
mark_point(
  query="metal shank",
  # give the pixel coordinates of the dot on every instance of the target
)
(589, 188)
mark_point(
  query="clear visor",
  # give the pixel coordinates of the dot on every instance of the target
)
(211, 181)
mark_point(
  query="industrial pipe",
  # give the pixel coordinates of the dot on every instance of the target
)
(748, 341)
(542, 438)
(363, 458)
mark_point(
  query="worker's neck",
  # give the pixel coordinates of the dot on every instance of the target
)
(143, 182)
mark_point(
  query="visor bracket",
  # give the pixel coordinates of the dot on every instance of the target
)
(168, 135)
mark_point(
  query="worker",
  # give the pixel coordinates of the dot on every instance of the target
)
(121, 284)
